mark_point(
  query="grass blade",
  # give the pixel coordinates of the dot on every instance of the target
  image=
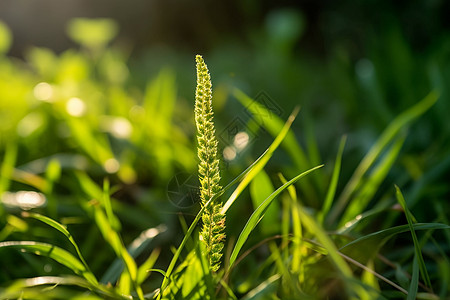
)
(417, 248)
(57, 254)
(386, 137)
(260, 188)
(334, 181)
(18, 287)
(259, 213)
(263, 116)
(367, 190)
(262, 161)
(414, 285)
(61, 228)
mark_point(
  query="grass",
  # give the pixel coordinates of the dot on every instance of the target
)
(86, 158)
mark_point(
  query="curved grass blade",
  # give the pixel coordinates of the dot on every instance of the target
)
(273, 124)
(334, 181)
(61, 228)
(370, 186)
(16, 288)
(135, 249)
(417, 248)
(386, 137)
(373, 241)
(259, 213)
(262, 161)
(57, 254)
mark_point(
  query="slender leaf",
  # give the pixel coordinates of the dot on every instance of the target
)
(386, 137)
(259, 213)
(414, 285)
(60, 255)
(262, 161)
(334, 181)
(417, 247)
(61, 228)
(370, 186)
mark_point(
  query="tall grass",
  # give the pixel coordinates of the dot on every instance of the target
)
(305, 229)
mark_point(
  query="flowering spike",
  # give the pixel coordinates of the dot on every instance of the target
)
(208, 167)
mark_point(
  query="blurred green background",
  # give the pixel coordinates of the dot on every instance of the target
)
(106, 89)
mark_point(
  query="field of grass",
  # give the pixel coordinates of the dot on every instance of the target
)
(333, 179)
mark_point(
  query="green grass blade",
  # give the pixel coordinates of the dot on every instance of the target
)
(16, 288)
(177, 254)
(262, 161)
(417, 247)
(414, 285)
(145, 269)
(273, 124)
(260, 188)
(135, 248)
(259, 213)
(326, 243)
(386, 137)
(115, 241)
(370, 186)
(334, 181)
(366, 247)
(57, 254)
(296, 228)
(7, 168)
(61, 228)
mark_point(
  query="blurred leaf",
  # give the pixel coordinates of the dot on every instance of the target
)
(5, 38)
(264, 290)
(380, 145)
(92, 33)
(371, 184)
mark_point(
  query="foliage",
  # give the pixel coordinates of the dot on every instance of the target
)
(91, 150)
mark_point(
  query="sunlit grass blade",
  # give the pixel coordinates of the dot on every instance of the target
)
(135, 248)
(19, 287)
(370, 186)
(262, 161)
(114, 240)
(417, 247)
(296, 228)
(145, 269)
(273, 124)
(59, 255)
(333, 183)
(260, 188)
(61, 228)
(259, 213)
(7, 168)
(265, 289)
(386, 137)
